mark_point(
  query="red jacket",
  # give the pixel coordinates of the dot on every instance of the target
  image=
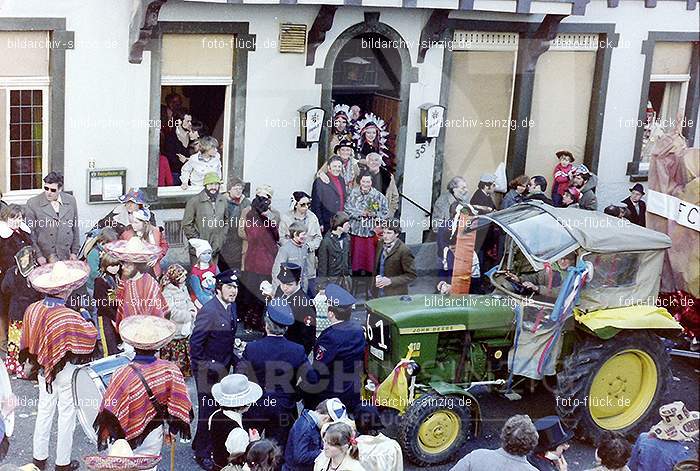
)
(262, 236)
(561, 178)
(165, 176)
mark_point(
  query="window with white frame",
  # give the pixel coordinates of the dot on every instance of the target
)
(24, 111)
(196, 81)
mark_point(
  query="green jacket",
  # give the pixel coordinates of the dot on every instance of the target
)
(541, 280)
(206, 220)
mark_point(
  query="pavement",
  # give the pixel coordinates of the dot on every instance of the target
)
(495, 411)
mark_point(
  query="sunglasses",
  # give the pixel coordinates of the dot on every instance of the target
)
(303, 204)
(52, 190)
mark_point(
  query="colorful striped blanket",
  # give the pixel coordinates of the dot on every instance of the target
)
(141, 296)
(50, 333)
(127, 412)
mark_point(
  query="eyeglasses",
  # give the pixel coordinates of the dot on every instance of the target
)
(52, 190)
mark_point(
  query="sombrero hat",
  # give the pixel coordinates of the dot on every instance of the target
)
(54, 278)
(147, 332)
(121, 458)
(134, 250)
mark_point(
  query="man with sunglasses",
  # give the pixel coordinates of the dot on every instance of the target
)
(53, 218)
(299, 212)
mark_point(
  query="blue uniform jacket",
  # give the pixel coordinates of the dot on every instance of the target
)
(303, 445)
(338, 359)
(213, 336)
(275, 364)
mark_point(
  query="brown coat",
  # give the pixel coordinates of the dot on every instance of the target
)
(399, 266)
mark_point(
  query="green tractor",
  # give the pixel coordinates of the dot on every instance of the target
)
(596, 337)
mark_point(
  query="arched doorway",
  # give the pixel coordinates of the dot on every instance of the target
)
(368, 65)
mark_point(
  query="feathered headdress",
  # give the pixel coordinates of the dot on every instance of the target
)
(342, 110)
(372, 120)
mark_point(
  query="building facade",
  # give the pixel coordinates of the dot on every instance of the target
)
(83, 88)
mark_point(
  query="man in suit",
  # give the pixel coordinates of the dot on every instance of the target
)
(53, 218)
(636, 208)
(482, 199)
(338, 354)
(394, 267)
(329, 198)
(276, 364)
(212, 346)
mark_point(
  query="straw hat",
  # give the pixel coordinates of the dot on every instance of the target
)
(54, 278)
(121, 458)
(135, 250)
(236, 390)
(147, 332)
(677, 423)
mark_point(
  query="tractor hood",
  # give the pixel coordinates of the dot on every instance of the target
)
(440, 313)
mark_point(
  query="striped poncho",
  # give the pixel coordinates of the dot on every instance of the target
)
(53, 334)
(127, 412)
(141, 296)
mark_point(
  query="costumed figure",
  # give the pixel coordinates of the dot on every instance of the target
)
(342, 131)
(137, 292)
(55, 339)
(122, 458)
(201, 280)
(143, 229)
(146, 394)
(371, 136)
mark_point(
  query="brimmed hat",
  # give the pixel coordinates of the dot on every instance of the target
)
(236, 390)
(344, 143)
(279, 312)
(228, 277)
(289, 273)
(200, 246)
(264, 190)
(147, 332)
(568, 153)
(121, 458)
(488, 178)
(134, 250)
(677, 423)
(54, 278)
(552, 433)
(638, 187)
(134, 195)
(211, 178)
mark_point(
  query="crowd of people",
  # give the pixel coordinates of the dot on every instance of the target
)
(289, 277)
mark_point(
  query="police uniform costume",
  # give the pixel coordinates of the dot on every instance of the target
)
(212, 356)
(269, 362)
(303, 331)
(339, 355)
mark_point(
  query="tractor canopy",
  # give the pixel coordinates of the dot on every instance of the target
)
(624, 260)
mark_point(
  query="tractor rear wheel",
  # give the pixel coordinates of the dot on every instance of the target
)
(615, 384)
(434, 428)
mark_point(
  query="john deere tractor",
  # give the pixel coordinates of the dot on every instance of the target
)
(591, 328)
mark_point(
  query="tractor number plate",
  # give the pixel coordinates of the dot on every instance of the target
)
(376, 352)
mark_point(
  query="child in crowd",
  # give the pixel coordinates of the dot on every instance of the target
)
(106, 234)
(263, 455)
(19, 294)
(105, 295)
(304, 444)
(334, 263)
(295, 250)
(340, 450)
(182, 312)
(202, 282)
(562, 175)
(141, 227)
(205, 161)
(613, 452)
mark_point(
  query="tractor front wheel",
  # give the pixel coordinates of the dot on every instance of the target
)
(434, 428)
(615, 384)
